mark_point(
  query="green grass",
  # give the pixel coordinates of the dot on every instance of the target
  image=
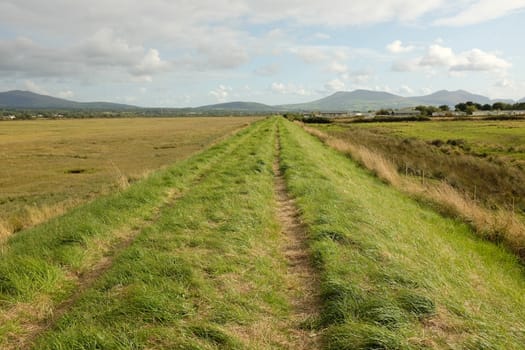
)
(207, 271)
(39, 267)
(396, 275)
(502, 138)
(207, 275)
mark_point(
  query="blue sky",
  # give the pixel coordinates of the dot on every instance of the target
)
(189, 53)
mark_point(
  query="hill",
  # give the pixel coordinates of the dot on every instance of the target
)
(363, 100)
(357, 100)
(237, 107)
(31, 100)
(451, 98)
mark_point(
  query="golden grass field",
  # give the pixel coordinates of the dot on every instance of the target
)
(48, 166)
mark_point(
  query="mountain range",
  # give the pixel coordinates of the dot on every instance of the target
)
(29, 100)
(357, 100)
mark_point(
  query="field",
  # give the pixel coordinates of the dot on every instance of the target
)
(485, 138)
(484, 160)
(268, 239)
(50, 166)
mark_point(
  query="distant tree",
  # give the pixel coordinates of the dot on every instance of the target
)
(471, 109)
(426, 110)
(461, 107)
(486, 107)
(502, 106)
(520, 106)
(384, 112)
(444, 108)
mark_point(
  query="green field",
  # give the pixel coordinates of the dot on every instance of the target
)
(484, 160)
(205, 254)
(49, 166)
(501, 138)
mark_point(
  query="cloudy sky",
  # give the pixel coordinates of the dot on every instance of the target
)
(193, 52)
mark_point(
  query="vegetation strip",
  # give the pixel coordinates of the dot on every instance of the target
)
(394, 273)
(43, 270)
(302, 281)
(496, 225)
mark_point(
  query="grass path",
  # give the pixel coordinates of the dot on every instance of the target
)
(209, 274)
(302, 280)
(270, 241)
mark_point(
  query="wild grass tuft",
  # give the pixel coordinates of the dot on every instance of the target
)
(357, 336)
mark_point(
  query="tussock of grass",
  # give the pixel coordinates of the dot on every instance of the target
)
(405, 277)
(498, 225)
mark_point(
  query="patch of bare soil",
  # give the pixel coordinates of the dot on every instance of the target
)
(301, 279)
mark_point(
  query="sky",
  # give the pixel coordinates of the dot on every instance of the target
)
(178, 53)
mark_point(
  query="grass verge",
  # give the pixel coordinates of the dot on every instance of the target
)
(497, 225)
(394, 273)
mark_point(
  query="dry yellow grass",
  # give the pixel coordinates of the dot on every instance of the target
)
(496, 225)
(49, 166)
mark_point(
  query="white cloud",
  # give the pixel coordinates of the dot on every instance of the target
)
(397, 47)
(337, 67)
(359, 77)
(289, 89)
(478, 60)
(481, 11)
(340, 13)
(96, 55)
(66, 94)
(221, 93)
(405, 90)
(334, 85)
(150, 64)
(311, 54)
(438, 56)
(34, 87)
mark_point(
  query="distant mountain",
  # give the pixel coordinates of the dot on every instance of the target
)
(237, 107)
(30, 100)
(363, 100)
(522, 100)
(357, 100)
(451, 98)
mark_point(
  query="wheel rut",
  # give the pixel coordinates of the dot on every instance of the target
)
(301, 279)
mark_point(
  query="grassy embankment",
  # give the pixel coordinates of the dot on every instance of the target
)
(394, 273)
(42, 267)
(486, 193)
(207, 274)
(486, 160)
(49, 166)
